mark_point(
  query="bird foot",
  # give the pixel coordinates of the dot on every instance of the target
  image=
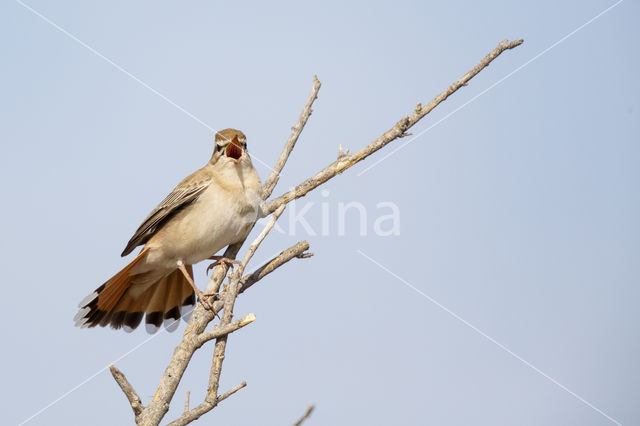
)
(204, 300)
(221, 260)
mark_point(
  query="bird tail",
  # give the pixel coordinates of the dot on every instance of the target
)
(120, 304)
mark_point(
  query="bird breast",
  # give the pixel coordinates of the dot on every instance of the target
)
(222, 215)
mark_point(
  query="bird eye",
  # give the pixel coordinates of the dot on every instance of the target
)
(219, 148)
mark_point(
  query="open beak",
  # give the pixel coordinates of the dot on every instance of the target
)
(234, 150)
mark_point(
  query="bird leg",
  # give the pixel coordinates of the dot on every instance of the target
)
(221, 260)
(201, 296)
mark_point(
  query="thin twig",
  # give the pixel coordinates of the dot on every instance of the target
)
(231, 391)
(191, 415)
(272, 180)
(256, 243)
(130, 393)
(186, 401)
(397, 131)
(305, 416)
(295, 251)
(226, 329)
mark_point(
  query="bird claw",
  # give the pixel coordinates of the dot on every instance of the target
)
(204, 300)
(219, 260)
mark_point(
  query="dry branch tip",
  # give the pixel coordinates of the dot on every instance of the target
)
(247, 320)
(127, 389)
(231, 391)
(305, 416)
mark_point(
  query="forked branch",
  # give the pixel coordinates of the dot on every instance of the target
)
(195, 335)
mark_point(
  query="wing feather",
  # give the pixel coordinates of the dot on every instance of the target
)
(184, 194)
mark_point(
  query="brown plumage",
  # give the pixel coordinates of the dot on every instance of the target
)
(121, 302)
(213, 207)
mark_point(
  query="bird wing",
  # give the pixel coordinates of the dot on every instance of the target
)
(183, 195)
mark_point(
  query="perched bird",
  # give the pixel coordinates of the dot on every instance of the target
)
(212, 208)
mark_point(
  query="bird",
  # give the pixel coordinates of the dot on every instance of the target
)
(212, 208)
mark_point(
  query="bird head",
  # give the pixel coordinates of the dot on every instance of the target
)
(230, 144)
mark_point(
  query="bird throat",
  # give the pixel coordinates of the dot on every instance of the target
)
(233, 151)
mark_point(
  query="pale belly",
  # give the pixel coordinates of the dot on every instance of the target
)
(218, 218)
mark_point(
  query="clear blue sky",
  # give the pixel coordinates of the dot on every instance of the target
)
(518, 213)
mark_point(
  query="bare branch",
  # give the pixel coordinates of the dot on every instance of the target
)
(231, 391)
(195, 335)
(305, 416)
(272, 181)
(130, 393)
(397, 131)
(170, 380)
(191, 341)
(256, 243)
(186, 401)
(297, 250)
(201, 316)
(208, 405)
(220, 334)
(221, 342)
(224, 330)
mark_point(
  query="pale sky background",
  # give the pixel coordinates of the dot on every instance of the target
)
(519, 213)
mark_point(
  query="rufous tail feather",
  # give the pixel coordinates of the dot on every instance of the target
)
(115, 304)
